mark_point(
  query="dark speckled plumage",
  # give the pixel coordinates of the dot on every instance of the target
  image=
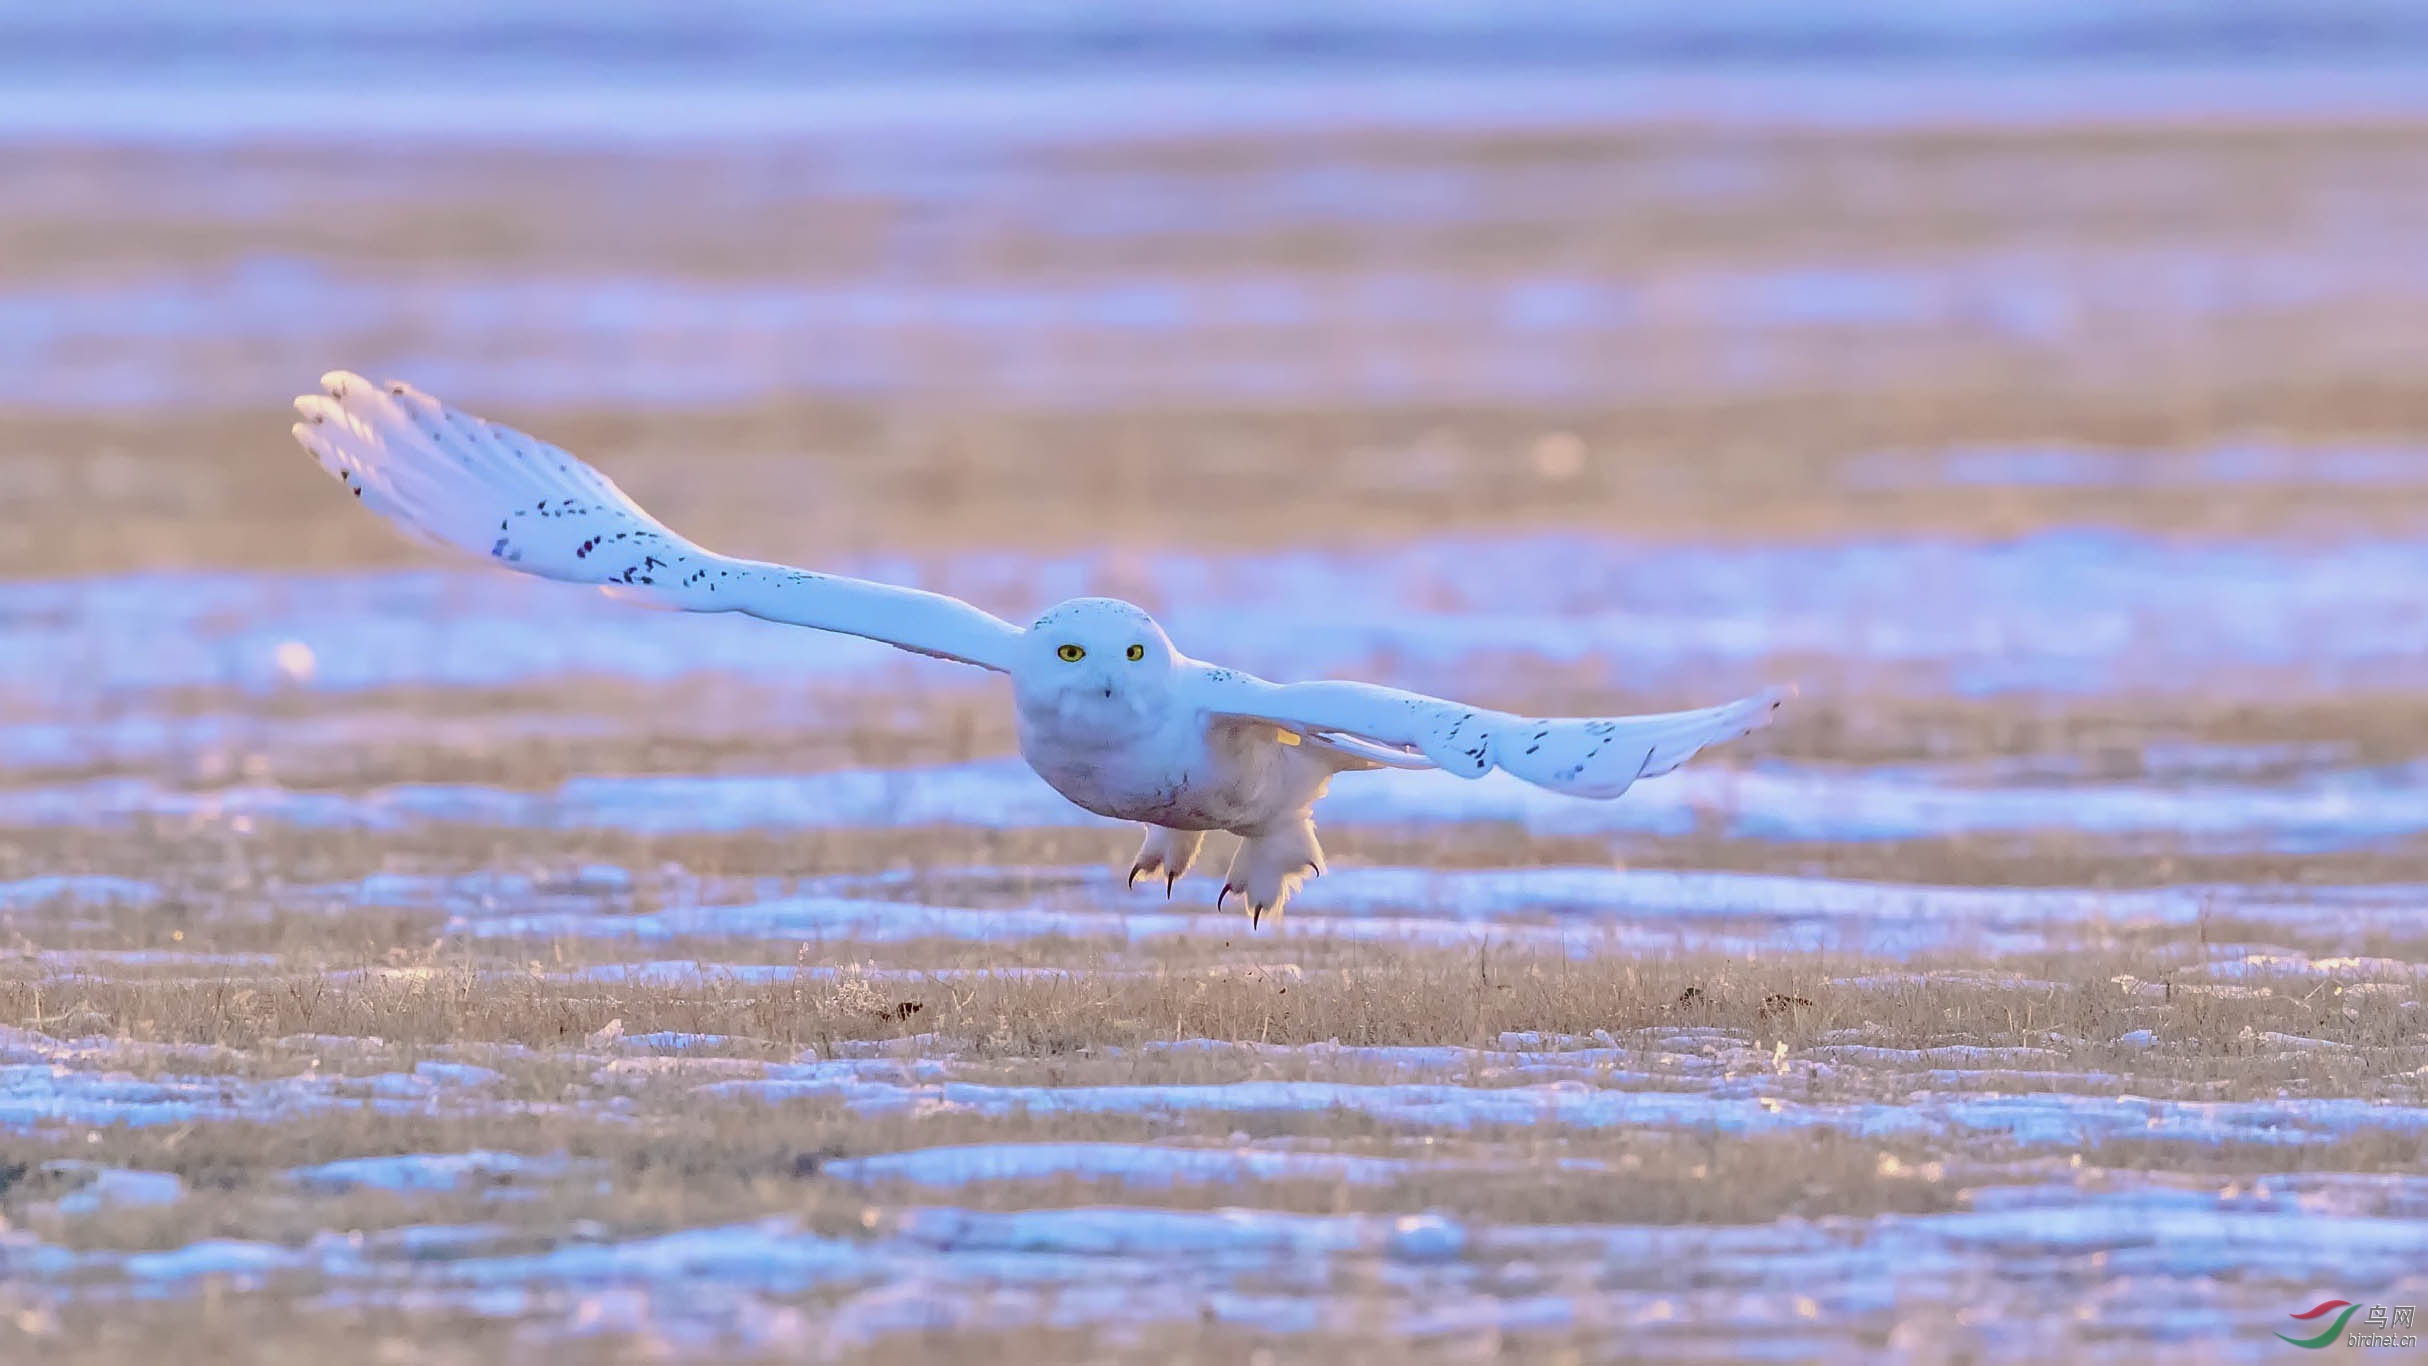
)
(1123, 724)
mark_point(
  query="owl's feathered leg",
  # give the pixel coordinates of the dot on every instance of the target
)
(1270, 865)
(1169, 852)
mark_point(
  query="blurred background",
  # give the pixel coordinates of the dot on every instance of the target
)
(2026, 360)
(2039, 385)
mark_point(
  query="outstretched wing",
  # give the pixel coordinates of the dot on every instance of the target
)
(452, 480)
(1584, 757)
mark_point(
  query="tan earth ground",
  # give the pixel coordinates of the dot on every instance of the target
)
(236, 1016)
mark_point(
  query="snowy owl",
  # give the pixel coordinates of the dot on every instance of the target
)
(1107, 711)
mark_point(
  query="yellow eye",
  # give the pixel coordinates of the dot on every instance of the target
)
(1071, 653)
(1137, 652)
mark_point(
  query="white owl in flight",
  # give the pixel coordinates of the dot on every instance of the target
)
(1108, 712)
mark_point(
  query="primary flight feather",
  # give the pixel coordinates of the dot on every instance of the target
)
(1107, 711)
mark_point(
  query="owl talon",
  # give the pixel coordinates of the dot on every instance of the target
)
(1271, 864)
(1169, 852)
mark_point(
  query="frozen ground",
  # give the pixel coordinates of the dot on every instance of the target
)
(400, 962)
(561, 1058)
(1243, 340)
(2071, 611)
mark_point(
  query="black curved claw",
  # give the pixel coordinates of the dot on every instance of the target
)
(1134, 871)
(1256, 916)
(1168, 880)
(1224, 896)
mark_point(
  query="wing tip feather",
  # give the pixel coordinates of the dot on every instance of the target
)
(1766, 705)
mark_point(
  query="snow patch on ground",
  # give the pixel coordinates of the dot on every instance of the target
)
(2190, 1254)
(429, 1171)
(1139, 1164)
(2063, 610)
(2331, 810)
(2048, 1119)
